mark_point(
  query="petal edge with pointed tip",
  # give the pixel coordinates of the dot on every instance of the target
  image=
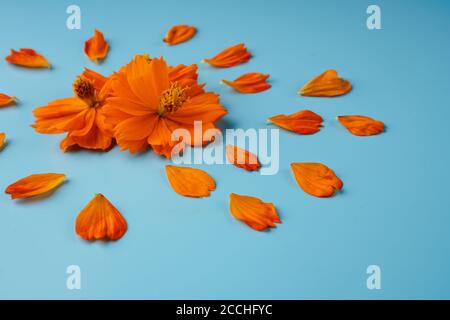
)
(230, 57)
(100, 220)
(252, 82)
(301, 122)
(316, 179)
(96, 48)
(327, 84)
(29, 58)
(361, 125)
(6, 100)
(190, 182)
(178, 34)
(35, 185)
(2, 140)
(242, 158)
(255, 213)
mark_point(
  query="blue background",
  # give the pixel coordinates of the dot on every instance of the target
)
(393, 211)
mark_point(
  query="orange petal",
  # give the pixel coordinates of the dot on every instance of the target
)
(230, 57)
(252, 82)
(100, 220)
(328, 84)
(96, 48)
(97, 79)
(179, 34)
(242, 158)
(183, 73)
(301, 122)
(252, 211)
(361, 125)
(27, 58)
(35, 185)
(6, 100)
(2, 140)
(316, 179)
(190, 182)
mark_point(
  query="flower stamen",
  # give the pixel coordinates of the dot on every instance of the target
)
(147, 57)
(85, 90)
(172, 99)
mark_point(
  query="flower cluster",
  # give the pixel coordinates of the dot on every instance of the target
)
(144, 102)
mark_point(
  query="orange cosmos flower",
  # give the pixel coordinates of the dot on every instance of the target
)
(252, 82)
(2, 140)
(230, 57)
(6, 100)
(81, 116)
(301, 122)
(361, 125)
(316, 179)
(179, 34)
(96, 48)
(100, 220)
(190, 182)
(27, 58)
(253, 212)
(328, 84)
(242, 158)
(150, 100)
(35, 185)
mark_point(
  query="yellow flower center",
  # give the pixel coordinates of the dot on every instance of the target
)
(85, 90)
(147, 57)
(172, 99)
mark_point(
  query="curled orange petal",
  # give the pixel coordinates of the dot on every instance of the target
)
(35, 185)
(179, 34)
(6, 100)
(252, 82)
(242, 158)
(316, 179)
(230, 57)
(361, 125)
(328, 84)
(190, 182)
(2, 140)
(96, 48)
(301, 122)
(27, 58)
(100, 220)
(252, 211)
